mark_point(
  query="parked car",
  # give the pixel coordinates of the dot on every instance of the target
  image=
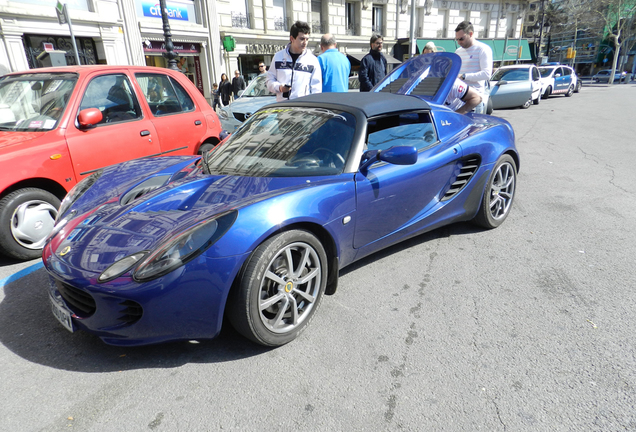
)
(605, 74)
(515, 86)
(257, 229)
(255, 96)
(354, 83)
(59, 125)
(559, 80)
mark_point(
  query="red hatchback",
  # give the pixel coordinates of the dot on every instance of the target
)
(58, 125)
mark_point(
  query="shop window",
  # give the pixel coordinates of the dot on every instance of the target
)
(164, 95)
(85, 48)
(113, 96)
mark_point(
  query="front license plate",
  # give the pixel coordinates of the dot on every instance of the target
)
(62, 315)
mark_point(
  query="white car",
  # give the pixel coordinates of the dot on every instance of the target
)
(559, 79)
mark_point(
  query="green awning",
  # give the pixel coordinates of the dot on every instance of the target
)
(443, 45)
(508, 51)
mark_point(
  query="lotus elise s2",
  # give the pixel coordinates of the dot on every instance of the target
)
(257, 229)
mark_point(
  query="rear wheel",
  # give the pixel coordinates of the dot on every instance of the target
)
(205, 147)
(27, 217)
(279, 289)
(489, 108)
(499, 194)
(537, 100)
(579, 84)
(570, 91)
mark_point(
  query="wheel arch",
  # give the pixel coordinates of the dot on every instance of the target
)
(210, 140)
(515, 157)
(46, 184)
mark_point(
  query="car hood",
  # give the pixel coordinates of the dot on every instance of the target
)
(8, 138)
(429, 77)
(152, 202)
(251, 104)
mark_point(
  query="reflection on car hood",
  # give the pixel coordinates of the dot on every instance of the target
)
(8, 138)
(250, 104)
(110, 228)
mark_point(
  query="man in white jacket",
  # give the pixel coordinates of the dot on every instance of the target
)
(295, 71)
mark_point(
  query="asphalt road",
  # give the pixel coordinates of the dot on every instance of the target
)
(527, 327)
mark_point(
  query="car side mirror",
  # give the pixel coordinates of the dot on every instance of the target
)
(89, 118)
(502, 82)
(397, 155)
(240, 93)
(557, 75)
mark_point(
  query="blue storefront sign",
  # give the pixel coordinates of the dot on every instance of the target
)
(175, 11)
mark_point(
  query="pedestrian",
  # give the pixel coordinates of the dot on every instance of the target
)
(216, 96)
(462, 98)
(373, 65)
(476, 61)
(295, 71)
(261, 68)
(334, 65)
(238, 84)
(225, 89)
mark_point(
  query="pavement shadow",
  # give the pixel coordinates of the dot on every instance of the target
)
(29, 330)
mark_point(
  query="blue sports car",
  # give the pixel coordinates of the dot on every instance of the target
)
(258, 228)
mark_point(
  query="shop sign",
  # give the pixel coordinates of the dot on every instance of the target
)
(198, 74)
(263, 48)
(179, 47)
(175, 11)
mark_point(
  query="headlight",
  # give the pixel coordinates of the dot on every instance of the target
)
(77, 191)
(120, 267)
(184, 247)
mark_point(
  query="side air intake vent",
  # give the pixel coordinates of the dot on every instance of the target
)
(467, 168)
(144, 188)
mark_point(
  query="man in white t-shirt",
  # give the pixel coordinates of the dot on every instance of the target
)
(462, 98)
(476, 61)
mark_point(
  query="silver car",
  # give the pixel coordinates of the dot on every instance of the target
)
(515, 86)
(250, 100)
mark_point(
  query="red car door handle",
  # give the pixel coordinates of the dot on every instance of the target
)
(197, 122)
(144, 133)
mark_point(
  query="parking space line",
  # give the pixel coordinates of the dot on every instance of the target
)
(14, 277)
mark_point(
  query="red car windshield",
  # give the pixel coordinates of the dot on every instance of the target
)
(34, 102)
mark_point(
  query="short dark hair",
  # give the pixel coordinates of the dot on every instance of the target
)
(327, 42)
(465, 26)
(299, 27)
(375, 37)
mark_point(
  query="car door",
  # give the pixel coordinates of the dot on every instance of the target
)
(124, 132)
(560, 81)
(179, 122)
(535, 76)
(394, 197)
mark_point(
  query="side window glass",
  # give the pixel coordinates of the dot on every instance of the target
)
(535, 74)
(559, 71)
(113, 96)
(164, 95)
(408, 129)
(567, 71)
(184, 98)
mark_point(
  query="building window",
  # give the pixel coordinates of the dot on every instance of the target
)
(240, 20)
(377, 19)
(442, 24)
(484, 23)
(351, 19)
(85, 47)
(281, 22)
(317, 26)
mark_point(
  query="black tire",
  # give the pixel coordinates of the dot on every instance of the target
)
(579, 84)
(546, 94)
(489, 108)
(527, 104)
(537, 100)
(27, 217)
(499, 194)
(264, 298)
(205, 147)
(570, 91)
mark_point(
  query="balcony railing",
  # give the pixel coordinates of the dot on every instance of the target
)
(377, 29)
(282, 23)
(240, 20)
(352, 29)
(318, 27)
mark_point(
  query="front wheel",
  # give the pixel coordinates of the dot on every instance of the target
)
(527, 104)
(279, 289)
(546, 93)
(499, 194)
(27, 217)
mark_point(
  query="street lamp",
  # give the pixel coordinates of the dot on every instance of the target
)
(169, 54)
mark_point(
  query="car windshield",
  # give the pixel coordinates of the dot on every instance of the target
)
(516, 74)
(34, 102)
(545, 72)
(257, 88)
(286, 142)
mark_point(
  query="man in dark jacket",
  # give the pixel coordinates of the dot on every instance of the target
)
(373, 65)
(238, 84)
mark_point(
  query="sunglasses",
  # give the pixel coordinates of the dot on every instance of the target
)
(260, 66)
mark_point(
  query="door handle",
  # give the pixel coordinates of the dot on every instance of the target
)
(197, 122)
(144, 133)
